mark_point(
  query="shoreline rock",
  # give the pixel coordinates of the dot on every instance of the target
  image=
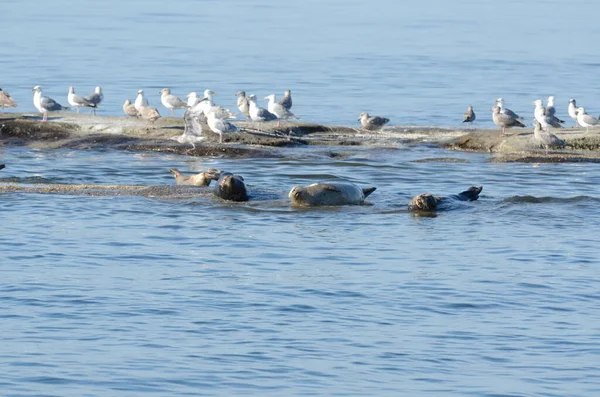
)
(79, 131)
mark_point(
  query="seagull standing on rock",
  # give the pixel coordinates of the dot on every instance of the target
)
(573, 111)
(96, 98)
(469, 115)
(503, 120)
(585, 120)
(372, 123)
(278, 110)
(129, 109)
(45, 104)
(140, 101)
(242, 104)
(257, 113)
(170, 101)
(541, 115)
(286, 101)
(546, 138)
(77, 100)
(219, 125)
(506, 111)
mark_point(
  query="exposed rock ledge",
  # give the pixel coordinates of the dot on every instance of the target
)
(79, 131)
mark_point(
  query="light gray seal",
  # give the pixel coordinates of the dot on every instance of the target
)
(201, 179)
(231, 187)
(429, 202)
(329, 193)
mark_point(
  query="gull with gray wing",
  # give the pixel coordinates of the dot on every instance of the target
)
(504, 121)
(78, 101)
(372, 123)
(506, 111)
(96, 98)
(286, 101)
(585, 120)
(170, 101)
(45, 104)
(546, 138)
(469, 115)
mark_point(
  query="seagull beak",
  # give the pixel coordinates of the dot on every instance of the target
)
(33, 89)
(214, 93)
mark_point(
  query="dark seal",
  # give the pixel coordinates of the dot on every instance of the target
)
(231, 187)
(429, 202)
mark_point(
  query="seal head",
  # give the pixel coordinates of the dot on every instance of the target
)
(231, 187)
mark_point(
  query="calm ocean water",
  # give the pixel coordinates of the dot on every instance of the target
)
(137, 296)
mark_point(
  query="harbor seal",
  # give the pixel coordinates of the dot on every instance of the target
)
(201, 179)
(429, 202)
(2, 166)
(329, 193)
(231, 187)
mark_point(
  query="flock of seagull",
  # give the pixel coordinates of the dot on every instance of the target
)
(544, 120)
(200, 110)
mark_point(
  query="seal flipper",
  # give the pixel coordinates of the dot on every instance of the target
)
(471, 194)
(368, 190)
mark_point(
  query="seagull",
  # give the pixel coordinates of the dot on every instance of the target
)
(541, 115)
(45, 104)
(242, 104)
(193, 98)
(257, 113)
(585, 120)
(573, 111)
(96, 98)
(149, 113)
(192, 132)
(546, 138)
(205, 105)
(551, 111)
(140, 100)
(219, 125)
(508, 112)
(6, 100)
(77, 100)
(170, 101)
(129, 109)
(278, 110)
(286, 101)
(503, 120)
(372, 123)
(469, 116)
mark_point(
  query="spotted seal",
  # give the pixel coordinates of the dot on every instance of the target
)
(329, 193)
(201, 179)
(429, 202)
(231, 187)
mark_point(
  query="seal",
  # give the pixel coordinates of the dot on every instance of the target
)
(329, 193)
(231, 187)
(2, 166)
(201, 179)
(429, 202)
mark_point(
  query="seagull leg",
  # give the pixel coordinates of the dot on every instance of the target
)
(78, 109)
(172, 113)
(220, 137)
(45, 117)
